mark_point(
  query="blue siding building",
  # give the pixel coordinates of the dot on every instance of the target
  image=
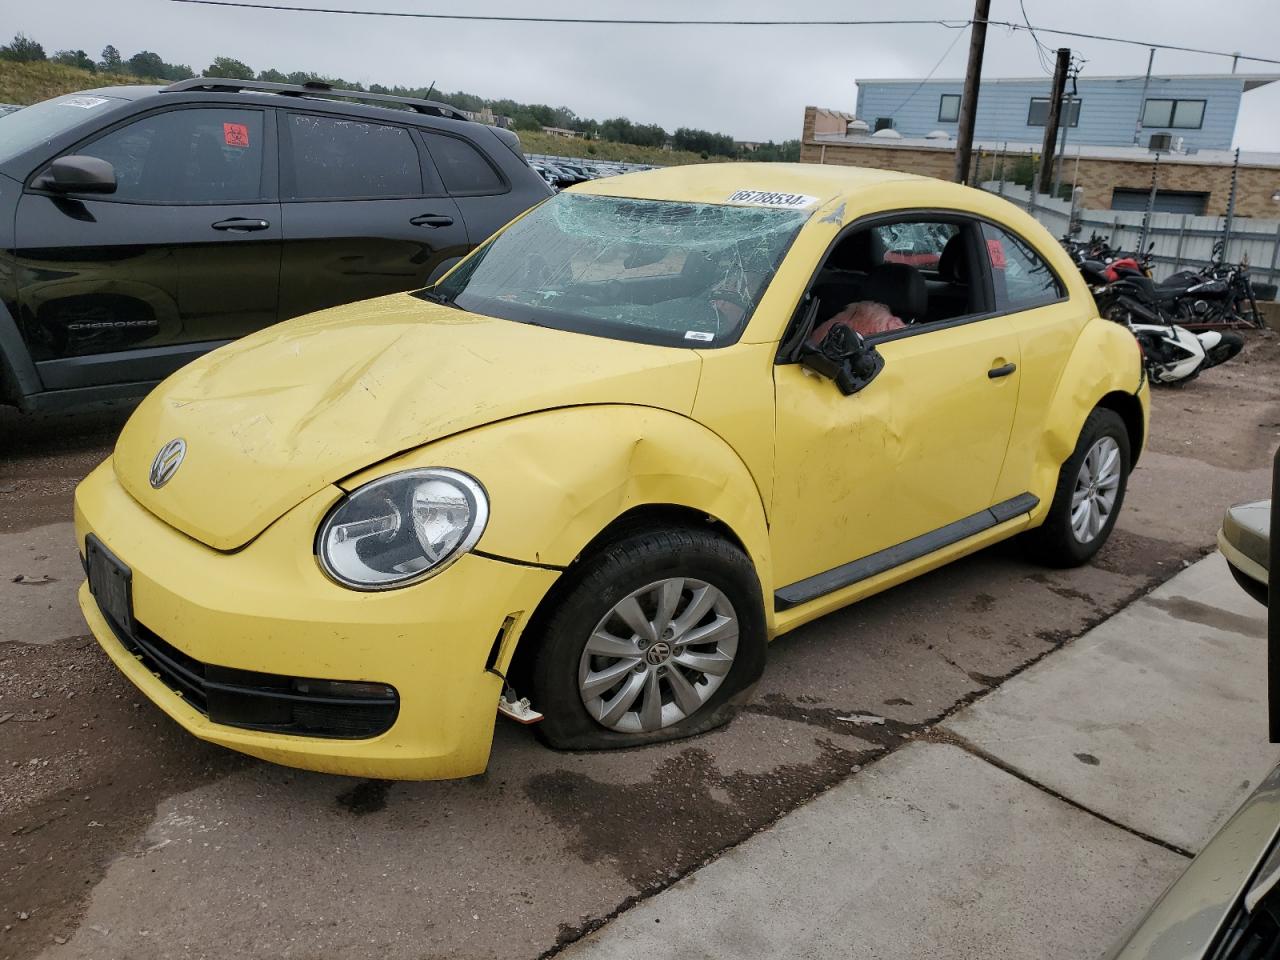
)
(1199, 109)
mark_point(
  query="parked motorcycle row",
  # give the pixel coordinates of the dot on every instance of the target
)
(1182, 323)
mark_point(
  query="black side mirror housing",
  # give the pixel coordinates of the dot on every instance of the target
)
(845, 358)
(77, 174)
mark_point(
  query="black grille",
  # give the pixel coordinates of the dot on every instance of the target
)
(258, 701)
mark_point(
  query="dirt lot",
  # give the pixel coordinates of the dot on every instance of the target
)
(120, 836)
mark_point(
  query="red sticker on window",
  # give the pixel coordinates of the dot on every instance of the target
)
(235, 134)
(995, 250)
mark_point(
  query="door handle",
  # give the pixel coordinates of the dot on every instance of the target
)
(241, 224)
(1002, 371)
(432, 220)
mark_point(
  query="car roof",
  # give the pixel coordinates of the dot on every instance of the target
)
(716, 182)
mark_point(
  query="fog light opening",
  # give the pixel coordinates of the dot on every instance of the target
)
(354, 689)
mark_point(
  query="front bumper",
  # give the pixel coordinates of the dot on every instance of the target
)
(268, 608)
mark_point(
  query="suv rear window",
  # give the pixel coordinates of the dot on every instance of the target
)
(462, 167)
(350, 159)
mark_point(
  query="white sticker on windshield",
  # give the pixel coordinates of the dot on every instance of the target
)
(699, 335)
(84, 103)
(767, 198)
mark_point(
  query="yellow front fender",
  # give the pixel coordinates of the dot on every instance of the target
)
(556, 479)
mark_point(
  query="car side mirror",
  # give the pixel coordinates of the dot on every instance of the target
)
(76, 174)
(843, 357)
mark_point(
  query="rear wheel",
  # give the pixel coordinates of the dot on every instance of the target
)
(660, 636)
(1089, 495)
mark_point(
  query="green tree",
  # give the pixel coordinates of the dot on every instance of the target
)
(704, 142)
(273, 76)
(22, 49)
(111, 61)
(75, 58)
(144, 63)
(230, 68)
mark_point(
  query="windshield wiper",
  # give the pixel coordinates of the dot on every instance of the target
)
(438, 298)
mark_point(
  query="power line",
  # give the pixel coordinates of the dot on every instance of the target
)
(1099, 36)
(1041, 49)
(928, 76)
(622, 21)
(617, 21)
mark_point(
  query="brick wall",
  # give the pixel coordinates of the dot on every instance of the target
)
(1098, 177)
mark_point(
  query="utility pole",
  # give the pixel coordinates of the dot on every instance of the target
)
(969, 98)
(1142, 104)
(1072, 100)
(1049, 147)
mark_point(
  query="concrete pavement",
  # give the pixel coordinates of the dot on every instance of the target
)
(1038, 822)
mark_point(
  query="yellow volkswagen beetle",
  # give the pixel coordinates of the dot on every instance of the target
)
(655, 422)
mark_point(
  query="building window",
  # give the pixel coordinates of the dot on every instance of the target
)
(1167, 201)
(1175, 114)
(883, 123)
(1038, 113)
(949, 108)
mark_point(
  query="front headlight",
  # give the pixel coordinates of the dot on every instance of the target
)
(401, 529)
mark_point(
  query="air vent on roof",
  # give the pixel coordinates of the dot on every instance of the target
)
(1160, 142)
(857, 128)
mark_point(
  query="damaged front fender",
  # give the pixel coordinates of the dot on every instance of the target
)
(556, 479)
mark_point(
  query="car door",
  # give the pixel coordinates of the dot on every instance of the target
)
(183, 256)
(483, 194)
(914, 454)
(365, 213)
(1025, 288)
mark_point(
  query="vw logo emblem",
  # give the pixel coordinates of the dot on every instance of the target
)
(657, 654)
(167, 462)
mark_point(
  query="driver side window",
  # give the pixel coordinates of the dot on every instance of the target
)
(192, 155)
(906, 273)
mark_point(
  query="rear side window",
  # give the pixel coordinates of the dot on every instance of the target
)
(336, 159)
(185, 156)
(1021, 278)
(462, 167)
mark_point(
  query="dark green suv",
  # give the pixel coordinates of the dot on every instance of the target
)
(141, 227)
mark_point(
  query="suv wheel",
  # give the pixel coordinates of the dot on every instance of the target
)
(660, 636)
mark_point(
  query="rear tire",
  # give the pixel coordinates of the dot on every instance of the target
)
(1089, 495)
(657, 578)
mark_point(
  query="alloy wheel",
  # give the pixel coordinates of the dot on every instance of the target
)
(1097, 485)
(658, 655)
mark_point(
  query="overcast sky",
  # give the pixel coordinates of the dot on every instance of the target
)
(750, 82)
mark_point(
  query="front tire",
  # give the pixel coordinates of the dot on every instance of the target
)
(1227, 347)
(1089, 495)
(661, 635)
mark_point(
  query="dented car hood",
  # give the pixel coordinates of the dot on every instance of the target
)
(273, 418)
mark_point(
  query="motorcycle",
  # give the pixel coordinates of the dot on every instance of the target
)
(1172, 353)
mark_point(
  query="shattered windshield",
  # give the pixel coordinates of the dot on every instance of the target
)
(653, 271)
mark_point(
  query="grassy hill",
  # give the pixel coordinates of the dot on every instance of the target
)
(27, 83)
(32, 82)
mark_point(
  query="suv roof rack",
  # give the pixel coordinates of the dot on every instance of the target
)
(313, 88)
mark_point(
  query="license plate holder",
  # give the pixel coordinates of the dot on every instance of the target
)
(111, 583)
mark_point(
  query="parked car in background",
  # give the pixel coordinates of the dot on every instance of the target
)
(1245, 540)
(599, 465)
(143, 226)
